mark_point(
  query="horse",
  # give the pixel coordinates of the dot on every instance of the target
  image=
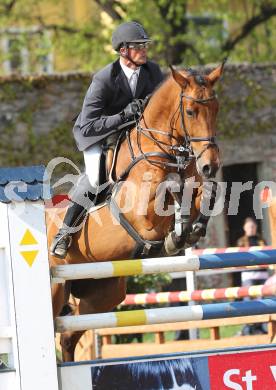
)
(174, 137)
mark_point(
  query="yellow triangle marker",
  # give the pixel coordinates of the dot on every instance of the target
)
(28, 239)
(29, 256)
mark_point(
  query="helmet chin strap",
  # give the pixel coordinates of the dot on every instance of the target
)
(128, 58)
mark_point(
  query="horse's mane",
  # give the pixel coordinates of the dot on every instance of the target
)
(160, 85)
(198, 75)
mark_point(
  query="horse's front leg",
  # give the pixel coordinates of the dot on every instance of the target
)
(203, 205)
(177, 237)
(191, 224)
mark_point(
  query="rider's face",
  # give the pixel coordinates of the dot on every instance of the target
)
(136, 52)
(139, 56)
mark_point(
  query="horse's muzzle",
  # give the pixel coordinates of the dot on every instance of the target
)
(208, 170)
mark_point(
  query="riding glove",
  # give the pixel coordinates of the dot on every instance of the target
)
(132, 110)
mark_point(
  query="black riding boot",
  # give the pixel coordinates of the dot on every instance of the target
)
(82, 200)
(62, 241)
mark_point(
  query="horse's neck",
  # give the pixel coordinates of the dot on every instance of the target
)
(146, 178)
(157, 115)
(161, 107)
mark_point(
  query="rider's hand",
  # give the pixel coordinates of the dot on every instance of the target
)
(132, 110)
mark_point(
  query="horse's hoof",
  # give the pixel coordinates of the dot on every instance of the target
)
(192, 239)
(170, 245)
(198, 231)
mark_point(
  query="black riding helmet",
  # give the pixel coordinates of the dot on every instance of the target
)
(128, 32)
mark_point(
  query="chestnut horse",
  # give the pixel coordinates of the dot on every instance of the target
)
(175, 133)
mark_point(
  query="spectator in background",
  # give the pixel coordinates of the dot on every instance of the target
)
(255, 277)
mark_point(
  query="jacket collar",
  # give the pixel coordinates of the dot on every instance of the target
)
(143, 81)
(121, 79)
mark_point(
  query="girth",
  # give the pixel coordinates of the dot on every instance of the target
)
(143, 247)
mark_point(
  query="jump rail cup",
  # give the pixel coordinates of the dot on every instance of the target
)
(191, 262)
(164, 315)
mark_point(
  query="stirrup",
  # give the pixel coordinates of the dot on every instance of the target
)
(60, 246)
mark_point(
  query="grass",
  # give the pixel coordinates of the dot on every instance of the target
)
(225, 331)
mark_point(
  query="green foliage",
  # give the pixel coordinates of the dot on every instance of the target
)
(239, 116)
(147, 283)
(255, 98)
(184, 32)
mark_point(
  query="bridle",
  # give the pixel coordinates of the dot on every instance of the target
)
(179, 158)
(188, 139)
(182, 154)
(174, 155)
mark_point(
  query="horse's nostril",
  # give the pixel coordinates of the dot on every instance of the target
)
(207, 170)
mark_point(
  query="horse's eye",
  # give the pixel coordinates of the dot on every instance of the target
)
(190, 113)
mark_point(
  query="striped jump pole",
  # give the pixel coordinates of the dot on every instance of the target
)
(200, 295)
(191, 262)
(231, 249)
(165, 315)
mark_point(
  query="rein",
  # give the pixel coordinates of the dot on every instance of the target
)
(183, 153)
(179, 158)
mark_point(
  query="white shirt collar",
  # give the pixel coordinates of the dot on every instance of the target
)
(128, 71)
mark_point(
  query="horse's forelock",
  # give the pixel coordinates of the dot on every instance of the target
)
(198, 76)
(200, 80)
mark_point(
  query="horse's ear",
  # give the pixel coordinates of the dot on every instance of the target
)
(180, 78)
(216, 73)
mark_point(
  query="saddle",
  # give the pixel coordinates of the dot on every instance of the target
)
(108, 159)
(113, 142)
(110, 149)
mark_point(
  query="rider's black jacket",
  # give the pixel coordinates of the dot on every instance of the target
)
(108, 94)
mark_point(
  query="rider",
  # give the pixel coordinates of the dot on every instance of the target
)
(111, 100)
